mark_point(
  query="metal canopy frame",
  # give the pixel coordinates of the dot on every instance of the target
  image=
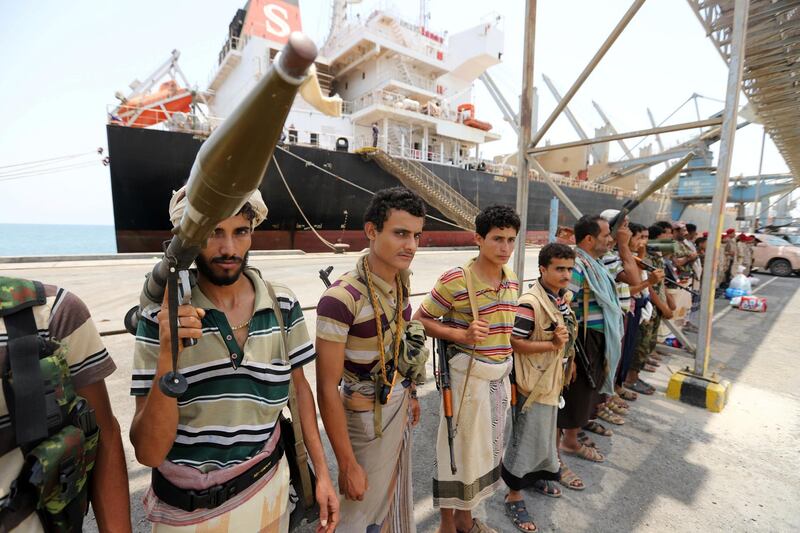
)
(771, 69)
(762, 61)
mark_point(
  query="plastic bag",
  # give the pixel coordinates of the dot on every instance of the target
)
(753, 303)
(740, 282)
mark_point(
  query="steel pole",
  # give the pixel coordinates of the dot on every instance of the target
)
(524, 137)
(626, 18)
(551, 237)
(740, 13)
(753, 224)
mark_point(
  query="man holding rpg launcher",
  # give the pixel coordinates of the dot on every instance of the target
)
(224, 431)
(207, 416)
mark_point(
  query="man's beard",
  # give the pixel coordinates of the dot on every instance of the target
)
(204, 268)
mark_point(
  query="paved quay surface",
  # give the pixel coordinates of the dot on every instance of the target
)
(671, 467)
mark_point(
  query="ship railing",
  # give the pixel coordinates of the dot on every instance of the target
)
(388, 7)
(415, 42)
(397, 101)
(231, 43)
(402, 152)
(415, 80)
(195, 123)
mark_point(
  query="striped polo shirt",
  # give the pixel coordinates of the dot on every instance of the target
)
(345, 315)
(63, 318)
(449, 300)
(235, 394)
(613, 263)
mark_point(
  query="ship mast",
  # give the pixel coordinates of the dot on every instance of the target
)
(424, 14)
(338, 17)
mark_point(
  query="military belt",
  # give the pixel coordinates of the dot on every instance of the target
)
(213, 497)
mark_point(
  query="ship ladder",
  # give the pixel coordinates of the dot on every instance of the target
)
(434, 190)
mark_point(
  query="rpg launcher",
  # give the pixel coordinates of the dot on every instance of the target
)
(665, 177)
(671, 282)
(227, 170)
(443, 384)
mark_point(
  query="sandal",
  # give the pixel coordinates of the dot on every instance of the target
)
(600, 429)
(617, 400)
(627, 394)
(570, 479)
(608, 416)
(584, 452)
(641, 387)
(653, 362)
(547, 488)
(584, 439)
(616, 408)
(648, 368)
(480, 527)
(518, 514)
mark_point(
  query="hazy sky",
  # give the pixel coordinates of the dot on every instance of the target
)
(63, 61)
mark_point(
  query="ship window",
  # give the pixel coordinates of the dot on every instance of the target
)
(314, 139)
(363, 75)
(346, 85)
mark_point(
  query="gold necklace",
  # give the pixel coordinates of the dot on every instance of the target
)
(240, 326)
(398, 320)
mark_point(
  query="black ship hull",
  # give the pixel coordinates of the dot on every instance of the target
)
(147, 165)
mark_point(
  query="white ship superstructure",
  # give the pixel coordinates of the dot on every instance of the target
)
(414, 85)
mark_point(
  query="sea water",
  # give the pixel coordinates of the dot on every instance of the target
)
(55, 239)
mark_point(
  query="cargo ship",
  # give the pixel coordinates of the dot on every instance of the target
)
(407, 118)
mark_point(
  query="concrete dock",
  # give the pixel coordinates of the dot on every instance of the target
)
(671, 467)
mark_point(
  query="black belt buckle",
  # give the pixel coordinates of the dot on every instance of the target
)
(211, 497)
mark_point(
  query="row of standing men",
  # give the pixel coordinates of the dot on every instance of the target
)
(220, 452)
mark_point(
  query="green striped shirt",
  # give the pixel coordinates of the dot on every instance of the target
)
(235, 395)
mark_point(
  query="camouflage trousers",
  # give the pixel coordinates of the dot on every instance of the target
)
(648, 336)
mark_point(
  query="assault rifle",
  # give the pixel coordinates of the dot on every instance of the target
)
(512, 378)
(583, 359)
(669, 281)
(443, 385)
(325, 276)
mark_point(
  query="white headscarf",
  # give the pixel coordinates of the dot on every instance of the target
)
(178, 203)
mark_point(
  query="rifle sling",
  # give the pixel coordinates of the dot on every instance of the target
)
(473, 304)
(300, 447)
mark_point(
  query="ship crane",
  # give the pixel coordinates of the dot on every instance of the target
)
(143, 107)
(612, 129)
(596, 151)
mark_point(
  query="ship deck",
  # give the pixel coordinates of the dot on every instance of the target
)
(670, 467)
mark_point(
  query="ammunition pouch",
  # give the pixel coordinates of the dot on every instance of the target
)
(54, 428)
(413, 353)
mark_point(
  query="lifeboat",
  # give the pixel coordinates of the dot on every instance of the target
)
(471, 121)
(149, 109)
